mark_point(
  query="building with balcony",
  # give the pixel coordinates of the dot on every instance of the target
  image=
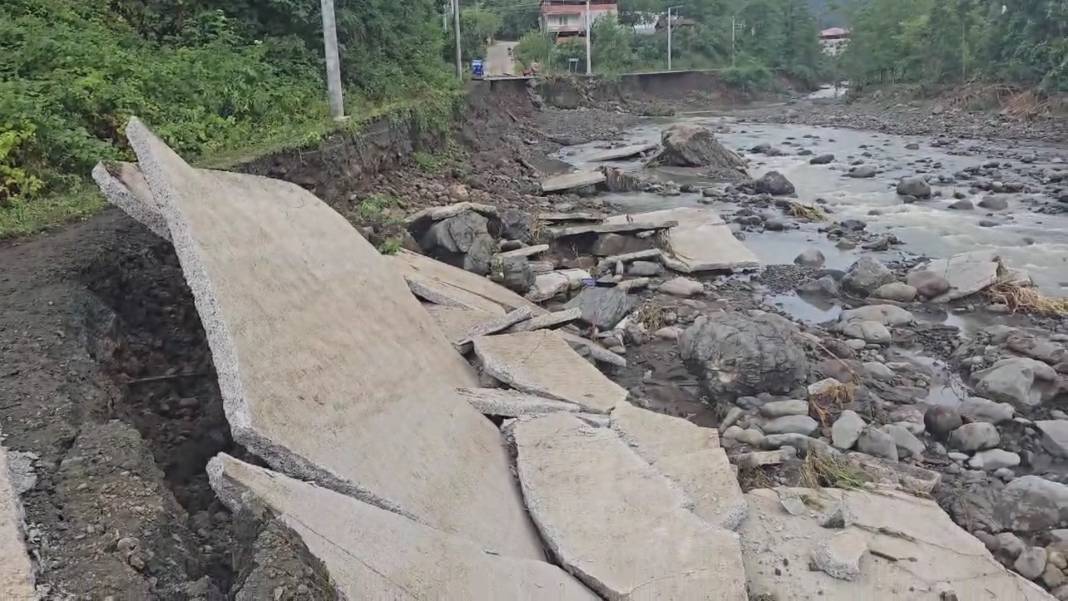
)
(567, 18)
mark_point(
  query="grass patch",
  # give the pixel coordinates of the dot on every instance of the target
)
(390, 246)
(374, 207)
(22, 217)
(1028, 300)
(806, 212)
(822, 471)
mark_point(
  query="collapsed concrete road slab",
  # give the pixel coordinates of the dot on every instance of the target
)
(463, 287)
(16, 571)
(701, 241)
(375, 554)
(570, 181)
(330, 370)
(124, 186)
(624, 152)
(924, 556)
(689, 456)
(615, 522)
(542, 363)
(456, 322)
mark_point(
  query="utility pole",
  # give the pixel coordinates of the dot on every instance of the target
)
(734, 52)
(333, 64)
(589, 59)
(456, 28)
(670, 8)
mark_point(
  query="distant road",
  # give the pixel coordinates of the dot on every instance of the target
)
(499, 61)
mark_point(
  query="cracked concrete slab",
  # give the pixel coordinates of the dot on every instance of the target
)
(371, 553)
(875, 554)
(124, 186)
(512, 403)
(467, 288)
(689, 456)
(701, 241)
(16, 571)
(615, 522)
(329, 368)
(542, 363)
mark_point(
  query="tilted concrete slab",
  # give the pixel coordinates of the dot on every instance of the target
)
(610, 228)
(542, 363)
(594, 350)
(512, 403)
(914, 550)
(456, 322)
(701, 241)
(525, 251)
(124, 186)
(444, 212)
(690, 456)
(329, 368)
(570, 181)
(455, 282)
(616, 522)
(624, 152)
(16, 571)
(548, 320)
(967, 273)
(375, 554)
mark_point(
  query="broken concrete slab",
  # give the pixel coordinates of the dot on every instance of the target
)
(611, 227)
(371, 553)
(701, 241)
(504, 402)
(638, 255)
(492, 326)
(542, 363)
(1054, 435)
(614, 521)
(462, 287)
(456, 322)
(525, 251)
(624, 152)
(595, 351)
(689, 456)
(447, 211)
(967, 273)
(575, 216)
(324, 356)
(16, 570)
(124, 186)
(925, 556)
(570, 181)
(547, 321)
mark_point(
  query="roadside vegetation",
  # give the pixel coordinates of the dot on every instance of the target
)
(218, 80)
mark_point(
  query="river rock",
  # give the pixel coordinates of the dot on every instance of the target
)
(822, 159)
(962, 205)
(784, 408)
(824, 285)
(791, 424)
(907, 444)
(973, 437)
(914, 186)
(774, 183)
(603, 307)
(737, 355)
(863, 172)
(517, 225)
(868, 331)
(684, 287)
(928, 284)
(878, 371)
(811, 257)
(1031, 563)
(1054, 436)
(1013, 380)
(686, 145)
(877, 443)
(1032, 503)
(463, 240)
(514, 273)
(846, 429)
(888, 315)
(984, 410)
(896, 291)
(994, 203)
(866, 275)
(645, 269)
(940, 420)
(993, 459)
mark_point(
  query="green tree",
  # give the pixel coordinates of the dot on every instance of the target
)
(534, 47)
(612, 47)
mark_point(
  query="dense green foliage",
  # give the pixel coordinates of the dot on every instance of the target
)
(210, 76)
(477, 27)
(1024, 42)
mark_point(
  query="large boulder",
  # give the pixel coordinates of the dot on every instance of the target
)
(1032, 503)
(1016, 380)
(514, 273)
(866, 275)
(914, 186)
(738, 355)
(694, 146)
(603, 307)
(463, 240)
(774, 183)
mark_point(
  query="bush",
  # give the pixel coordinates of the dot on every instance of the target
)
(534, 47)
(749, 75)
